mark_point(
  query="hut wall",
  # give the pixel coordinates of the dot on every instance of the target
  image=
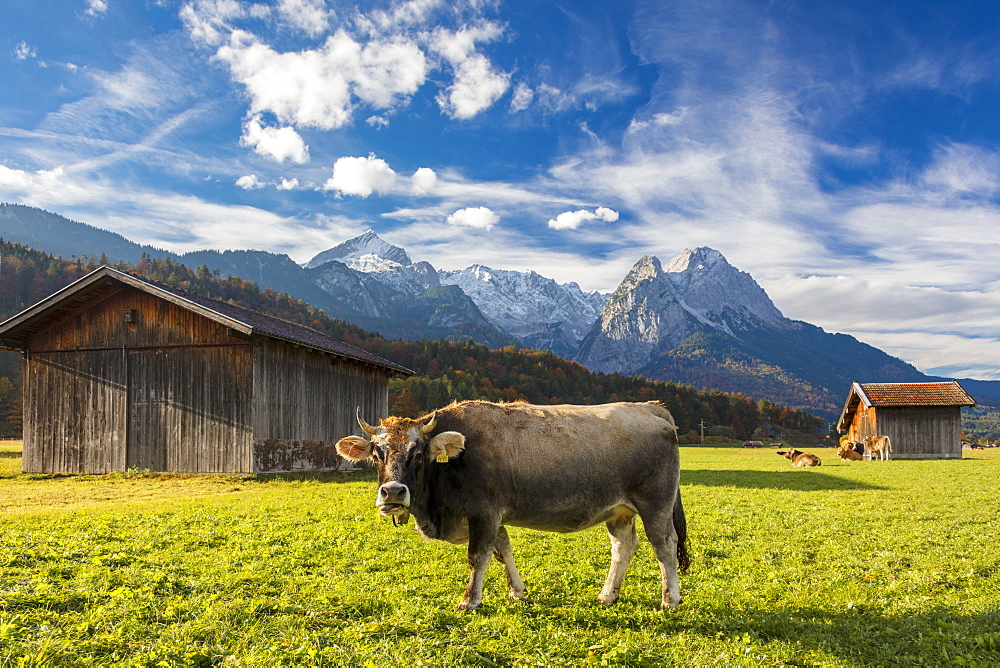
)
(928, 432)
(305, 401)
(168, 391)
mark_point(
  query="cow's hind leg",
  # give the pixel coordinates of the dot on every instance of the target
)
(505, 554)
(659, 525)
(621, 531)
(482, 540)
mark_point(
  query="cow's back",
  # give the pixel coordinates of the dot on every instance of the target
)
(529, 436)
(554, 467)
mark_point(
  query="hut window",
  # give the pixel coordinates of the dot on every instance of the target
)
(131, 315)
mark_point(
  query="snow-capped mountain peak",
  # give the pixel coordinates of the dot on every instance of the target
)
(718, 293)
(367, 252)
(535, 309)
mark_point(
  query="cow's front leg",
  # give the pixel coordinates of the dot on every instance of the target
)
(505, 554)
(482, 540)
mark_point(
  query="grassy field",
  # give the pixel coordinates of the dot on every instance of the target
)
(866, 563)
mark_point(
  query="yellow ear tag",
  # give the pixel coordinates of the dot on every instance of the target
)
(442, 458)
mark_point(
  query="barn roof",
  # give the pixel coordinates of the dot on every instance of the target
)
(899, 395)
(98, 284)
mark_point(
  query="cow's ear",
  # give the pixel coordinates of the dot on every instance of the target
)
(446, 445)
(354, 448)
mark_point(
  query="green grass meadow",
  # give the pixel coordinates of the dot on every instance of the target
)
(850, 564)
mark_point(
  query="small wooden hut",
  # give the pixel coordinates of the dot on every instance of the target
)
(123, 372)
(923, 420)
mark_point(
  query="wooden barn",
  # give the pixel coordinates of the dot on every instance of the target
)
(923, 420)
(123, 372)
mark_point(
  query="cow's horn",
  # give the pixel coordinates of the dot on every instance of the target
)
(364, 425)
(429, 427)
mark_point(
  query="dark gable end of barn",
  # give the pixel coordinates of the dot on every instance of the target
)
(123, 372)
(923, 420)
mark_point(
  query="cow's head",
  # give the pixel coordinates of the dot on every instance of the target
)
(401, 449)
(790, 454)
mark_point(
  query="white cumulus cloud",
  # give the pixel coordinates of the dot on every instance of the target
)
(478, 217)
(309, 16)
(361, 176)
(250, 182)
(477, 85)
(279, 144)
(570, 220)
(95, 7)
(319, 87)
(287, 184)
(423, 180)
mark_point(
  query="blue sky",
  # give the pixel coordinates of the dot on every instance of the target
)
(844, 154)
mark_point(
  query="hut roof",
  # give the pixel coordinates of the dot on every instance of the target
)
(898, 395)
(100, 283)
(916, 394)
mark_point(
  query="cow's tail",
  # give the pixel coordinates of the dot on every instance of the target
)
(680, 527)
(888, 443)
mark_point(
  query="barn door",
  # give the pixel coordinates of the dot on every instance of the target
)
(189, 409)
(147, 437)
(74, 412)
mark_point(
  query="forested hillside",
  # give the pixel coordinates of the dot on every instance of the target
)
(444, 370)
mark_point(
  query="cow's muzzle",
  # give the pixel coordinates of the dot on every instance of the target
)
(393, 500)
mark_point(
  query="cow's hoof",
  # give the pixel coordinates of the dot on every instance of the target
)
(607, 600)
(466, 606)
(517, 596)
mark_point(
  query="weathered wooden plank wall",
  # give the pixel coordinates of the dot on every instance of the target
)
(74, 407)
(156, 323)
(863, 424)
(926, 432)
(169, 391)
(190, 409)
(916, 432)
(303, 395)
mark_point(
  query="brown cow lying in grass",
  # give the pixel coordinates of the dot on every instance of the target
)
(800, 458)
(848, 452)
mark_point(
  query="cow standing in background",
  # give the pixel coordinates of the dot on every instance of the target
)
(468, 470)
(878, 446)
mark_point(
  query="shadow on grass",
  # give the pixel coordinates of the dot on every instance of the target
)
(10, 455)
(802, 480)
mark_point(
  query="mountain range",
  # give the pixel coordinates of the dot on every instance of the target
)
(696, 319)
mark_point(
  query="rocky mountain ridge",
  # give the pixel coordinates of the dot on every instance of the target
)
(656, 307)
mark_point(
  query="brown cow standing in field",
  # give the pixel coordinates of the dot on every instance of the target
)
(879, 446)
(800, 458)
(848, 452)
(468, 470)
